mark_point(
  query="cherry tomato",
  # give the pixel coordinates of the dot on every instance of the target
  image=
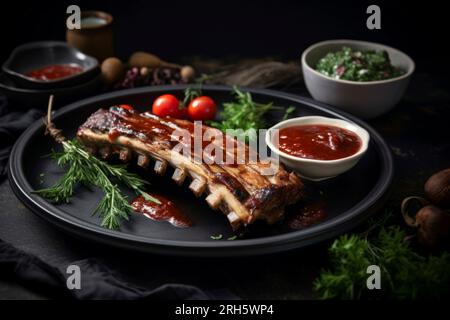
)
(202, 108)
(167, 105)
(126, 106)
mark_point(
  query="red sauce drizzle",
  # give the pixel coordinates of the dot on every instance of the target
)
(166, 211)
(113, 134)
(55, 71)
(132, 123)
(320, 142)
(308, 215)
(146, 129)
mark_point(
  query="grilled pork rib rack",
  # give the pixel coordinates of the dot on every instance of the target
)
(240, 191)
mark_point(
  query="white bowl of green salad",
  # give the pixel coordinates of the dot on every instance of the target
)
(363, 78)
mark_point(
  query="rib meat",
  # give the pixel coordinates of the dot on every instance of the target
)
(240, 191)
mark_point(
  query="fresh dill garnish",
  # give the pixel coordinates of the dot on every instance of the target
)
(83, 168)
(232, 238)
(217, 237)
(244, 115)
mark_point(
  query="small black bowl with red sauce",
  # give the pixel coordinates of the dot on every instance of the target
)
(318, 148)
(49, 65)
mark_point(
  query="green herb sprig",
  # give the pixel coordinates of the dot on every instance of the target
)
(245, 114)
(83, 168)
(404, 273)
(190, 93)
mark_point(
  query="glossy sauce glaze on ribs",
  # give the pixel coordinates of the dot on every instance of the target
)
(240, 191)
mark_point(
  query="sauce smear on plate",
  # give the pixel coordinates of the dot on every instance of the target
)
(55, 71)
(309, 215)
(166, 211)
(319, 142)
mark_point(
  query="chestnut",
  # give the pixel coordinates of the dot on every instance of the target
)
(433, 226)
(437, 189)
(431, 222)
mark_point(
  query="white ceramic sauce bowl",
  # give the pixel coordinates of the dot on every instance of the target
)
(363, 99)
(312, 169)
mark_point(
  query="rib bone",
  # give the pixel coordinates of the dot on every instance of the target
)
(125, 154)
(143, 161)
(197, 186)
(105, 151)
(232, 217)
(179, 175)
(214, 200)
(240, 191)
(160, 167)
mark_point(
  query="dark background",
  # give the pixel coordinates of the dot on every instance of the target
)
(176, 29)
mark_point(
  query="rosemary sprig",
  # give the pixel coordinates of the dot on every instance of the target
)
(190, 93)
(86, 169)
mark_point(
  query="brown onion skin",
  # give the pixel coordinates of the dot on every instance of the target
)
(437, 189)
(433, 227)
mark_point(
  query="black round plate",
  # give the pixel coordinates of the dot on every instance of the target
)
(349, 198)
(37, 98)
